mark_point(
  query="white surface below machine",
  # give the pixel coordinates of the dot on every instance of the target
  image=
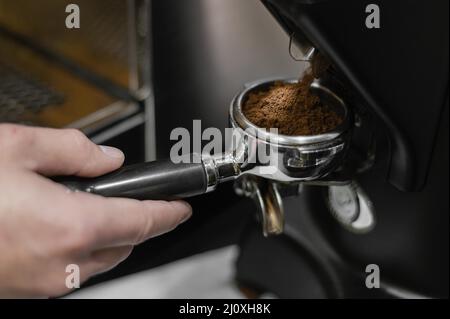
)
(207, 275)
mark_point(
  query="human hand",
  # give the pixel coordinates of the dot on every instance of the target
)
(44, 227)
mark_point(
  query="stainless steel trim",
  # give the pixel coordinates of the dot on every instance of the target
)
(219, 168)
(118, 129)
(104, 117)
(140, 67)
(212, 178)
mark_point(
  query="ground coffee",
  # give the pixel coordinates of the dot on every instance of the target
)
(291, 108)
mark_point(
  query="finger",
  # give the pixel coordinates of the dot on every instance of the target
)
(106, 259)
(120, 222)
(58, 152)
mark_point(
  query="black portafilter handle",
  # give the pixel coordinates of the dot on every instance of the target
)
(158, 180)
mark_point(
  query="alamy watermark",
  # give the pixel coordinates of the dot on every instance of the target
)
(373, 277)
(251, 146)
(373, 17)
(73, 279)
(73, 18)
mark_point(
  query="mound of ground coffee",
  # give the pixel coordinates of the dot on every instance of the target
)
(291, 108)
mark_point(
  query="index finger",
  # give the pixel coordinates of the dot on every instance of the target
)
(57, 151)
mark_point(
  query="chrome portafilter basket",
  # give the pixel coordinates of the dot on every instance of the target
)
(287, 161)
(263, 163)
(290, 158)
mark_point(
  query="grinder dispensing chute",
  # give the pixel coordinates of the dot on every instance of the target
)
(397, 71)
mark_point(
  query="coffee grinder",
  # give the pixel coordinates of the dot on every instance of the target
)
(394, 214)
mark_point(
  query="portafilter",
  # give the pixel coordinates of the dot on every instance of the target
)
(259, 159)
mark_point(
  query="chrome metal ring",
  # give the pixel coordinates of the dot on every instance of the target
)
(237, 116)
